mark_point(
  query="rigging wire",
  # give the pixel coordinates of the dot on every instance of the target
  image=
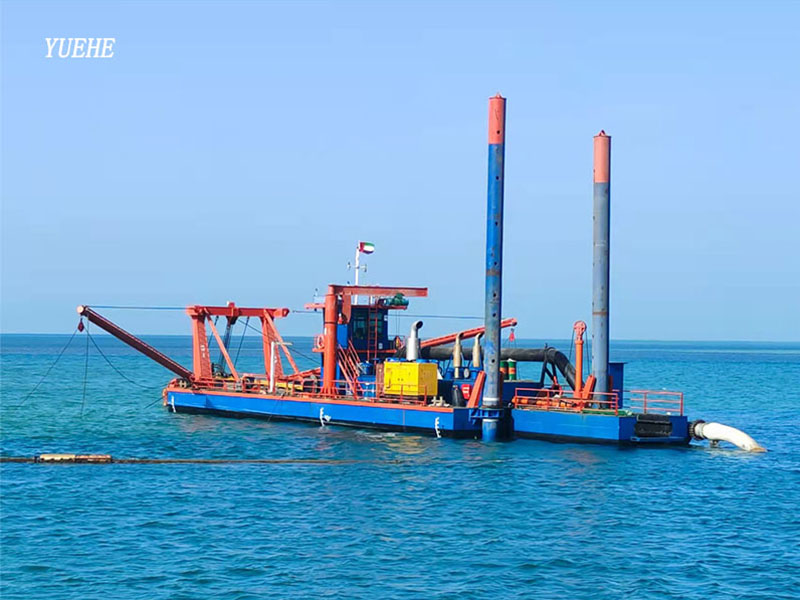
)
(297, 311)
(123, 307)
(294, 350)
(85, 370)
(241, 341)
(120, 373)
(405, 316)
(463, 317)
(52, 366)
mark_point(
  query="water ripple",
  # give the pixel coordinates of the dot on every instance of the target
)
(396, 516)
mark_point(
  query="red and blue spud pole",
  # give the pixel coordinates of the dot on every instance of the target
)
(493, 390)
(600, 263)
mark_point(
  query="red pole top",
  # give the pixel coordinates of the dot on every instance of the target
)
(580, 328)
(497, 120)
(602, 157)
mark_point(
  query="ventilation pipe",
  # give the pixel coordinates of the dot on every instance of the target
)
(412, 343)
(476, 351)
(457, 357)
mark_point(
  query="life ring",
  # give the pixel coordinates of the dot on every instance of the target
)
(319, 341)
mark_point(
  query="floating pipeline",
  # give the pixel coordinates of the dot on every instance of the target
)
(106, 459)
(699, 430)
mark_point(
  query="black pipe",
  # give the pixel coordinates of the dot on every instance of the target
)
(542, 355)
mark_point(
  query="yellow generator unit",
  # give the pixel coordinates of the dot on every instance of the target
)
(405, 378)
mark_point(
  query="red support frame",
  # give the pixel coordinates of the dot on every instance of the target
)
(201, 359)
(223, 349)
(201, 355)
(276, 335)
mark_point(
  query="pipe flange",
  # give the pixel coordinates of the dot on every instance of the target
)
(692, 433)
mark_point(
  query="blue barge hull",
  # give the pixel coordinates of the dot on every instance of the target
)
(431, 420)
(586, 427)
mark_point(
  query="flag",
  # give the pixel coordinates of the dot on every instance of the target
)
(366, 247)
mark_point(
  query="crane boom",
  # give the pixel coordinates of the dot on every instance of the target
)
(135, 343)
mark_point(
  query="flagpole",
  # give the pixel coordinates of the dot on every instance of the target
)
(358, 258)
(358, 268)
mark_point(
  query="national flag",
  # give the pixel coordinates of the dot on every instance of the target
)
(366, 247)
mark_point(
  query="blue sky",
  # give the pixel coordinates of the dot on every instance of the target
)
(237, 151)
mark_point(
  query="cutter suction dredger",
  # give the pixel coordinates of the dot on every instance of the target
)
(464, 384)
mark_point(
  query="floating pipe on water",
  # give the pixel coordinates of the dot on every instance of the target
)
(457, 357)
(717, 432)
(412, 343)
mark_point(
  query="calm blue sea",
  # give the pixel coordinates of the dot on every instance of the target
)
(394, 516)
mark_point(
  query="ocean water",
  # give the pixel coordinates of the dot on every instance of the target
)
(391, 515)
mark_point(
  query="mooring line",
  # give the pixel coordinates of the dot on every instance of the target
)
(60, 354)
(153, 402)
(120, 373)
(85, 371)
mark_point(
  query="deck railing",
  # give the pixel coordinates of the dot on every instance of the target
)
(656, 401)
(529, 398)
(641, 401)
(564, 400)
(369, 391)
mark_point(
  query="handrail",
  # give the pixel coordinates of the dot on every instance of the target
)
(642, 401)
(564, 400)
(349, 367)
(656, 401)
(369, 391)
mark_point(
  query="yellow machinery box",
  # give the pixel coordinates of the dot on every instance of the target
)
(410, 378)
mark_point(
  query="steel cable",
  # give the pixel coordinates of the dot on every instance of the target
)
(120, 373)
(52, 366)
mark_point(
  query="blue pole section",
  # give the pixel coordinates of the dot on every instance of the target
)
(492, 394)
(600, 263)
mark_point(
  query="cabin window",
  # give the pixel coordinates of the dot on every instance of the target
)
(362, 322)
(360, 327)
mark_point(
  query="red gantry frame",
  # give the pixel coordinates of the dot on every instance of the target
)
(201, 315)
(202, 373)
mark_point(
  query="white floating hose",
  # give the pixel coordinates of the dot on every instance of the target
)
(717, 432)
